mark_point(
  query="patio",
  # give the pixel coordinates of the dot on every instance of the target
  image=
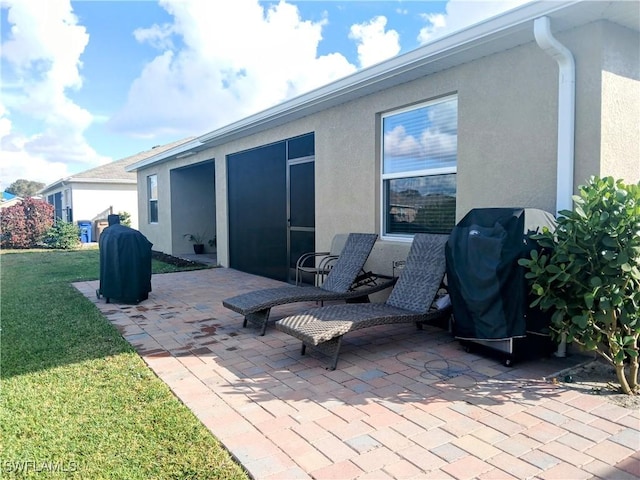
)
(401, 404)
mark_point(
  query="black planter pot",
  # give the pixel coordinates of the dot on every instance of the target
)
(198, 248)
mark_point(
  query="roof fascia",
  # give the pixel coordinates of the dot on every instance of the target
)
(102, 180)
(190, 146)
(65, 182)
(54, 186)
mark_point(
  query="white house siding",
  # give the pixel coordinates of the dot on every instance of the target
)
(90, 200)
(507, 137)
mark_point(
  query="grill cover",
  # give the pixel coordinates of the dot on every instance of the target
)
(488, 290)
(125, 264)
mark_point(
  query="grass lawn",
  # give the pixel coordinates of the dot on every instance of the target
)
(76, 399)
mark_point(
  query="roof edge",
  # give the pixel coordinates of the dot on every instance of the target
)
(67, 180)
(176, 151)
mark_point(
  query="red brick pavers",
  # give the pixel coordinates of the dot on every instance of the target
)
(403, 403)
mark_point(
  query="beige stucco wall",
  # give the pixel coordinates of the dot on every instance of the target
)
(193, 206)
(620, 150)
(163, 233)
(507, 138)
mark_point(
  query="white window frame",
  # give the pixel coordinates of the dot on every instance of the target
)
(406, 174)
(151, 199)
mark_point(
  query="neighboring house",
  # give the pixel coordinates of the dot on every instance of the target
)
(8, 200)
(90, 196)
(516, 111)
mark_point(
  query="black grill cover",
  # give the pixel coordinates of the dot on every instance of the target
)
(488, 289)
(125, 264)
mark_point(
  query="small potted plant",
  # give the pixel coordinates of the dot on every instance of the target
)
(198, 240)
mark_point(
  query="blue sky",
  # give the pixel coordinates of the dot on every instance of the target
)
(84, 83)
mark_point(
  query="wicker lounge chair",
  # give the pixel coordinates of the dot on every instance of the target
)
(411, 301)
(319, 264)
(345, 281)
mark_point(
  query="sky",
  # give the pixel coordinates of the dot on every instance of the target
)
(84, 83)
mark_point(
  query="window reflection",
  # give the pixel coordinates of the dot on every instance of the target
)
(421, 204)
(419, 161)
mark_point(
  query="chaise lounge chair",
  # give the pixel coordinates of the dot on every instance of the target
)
(411, 301)
(345, 281)
(318, 264)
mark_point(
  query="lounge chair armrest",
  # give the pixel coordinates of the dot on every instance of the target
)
(327, 262)
(309, 255)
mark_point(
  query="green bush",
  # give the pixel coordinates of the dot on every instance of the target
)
(125, 218)
(588, 274)
(63, 236)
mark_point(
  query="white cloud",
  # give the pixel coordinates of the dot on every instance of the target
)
(463, 13)
(42, 56)
(216, 62)
(374, 44)
(235, 59)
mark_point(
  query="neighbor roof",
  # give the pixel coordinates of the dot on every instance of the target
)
(496, 34)
(114, 172)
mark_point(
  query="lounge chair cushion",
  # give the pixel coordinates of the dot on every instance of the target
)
(323, 324)
(259, 300)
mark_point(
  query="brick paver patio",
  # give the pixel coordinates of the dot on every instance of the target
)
(403, 403)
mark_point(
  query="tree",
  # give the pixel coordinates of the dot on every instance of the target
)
(588, 274)
(24, 224)
(24, 188)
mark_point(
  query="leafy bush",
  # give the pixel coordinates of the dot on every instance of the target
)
(25, 223)
(62, 235)
(125, 218)
(588, 273)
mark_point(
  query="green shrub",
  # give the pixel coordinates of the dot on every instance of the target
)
(588, 274)
(63, 236)
(125, 218)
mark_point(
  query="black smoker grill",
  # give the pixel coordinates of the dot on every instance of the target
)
(489, 293)
(125, 265)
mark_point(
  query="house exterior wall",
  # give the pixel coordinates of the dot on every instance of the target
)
(620, 150)
(91, 200)
(65, 199)
(165, 236)
(507, 136)
(193, 206)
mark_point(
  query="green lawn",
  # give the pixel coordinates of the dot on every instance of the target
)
(76, 399)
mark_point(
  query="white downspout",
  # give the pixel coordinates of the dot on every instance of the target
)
(566, 122)
(566, 110)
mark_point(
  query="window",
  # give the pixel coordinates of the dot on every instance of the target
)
(419, 164)
(152, 194)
